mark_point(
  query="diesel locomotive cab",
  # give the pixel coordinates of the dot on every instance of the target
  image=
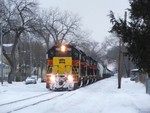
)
(61, 71)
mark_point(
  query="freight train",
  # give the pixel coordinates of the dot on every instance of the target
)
(70, 68)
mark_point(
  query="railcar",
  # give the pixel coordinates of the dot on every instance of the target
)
(70, 68)
(107, 73)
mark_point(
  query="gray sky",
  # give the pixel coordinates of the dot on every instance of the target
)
(93, 13)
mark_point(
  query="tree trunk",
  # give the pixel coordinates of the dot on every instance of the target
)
(41, 70)
(10, 78)
(12, 62)
(11, 75)
(129, 66)
(149, 75)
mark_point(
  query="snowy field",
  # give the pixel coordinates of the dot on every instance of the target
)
(100, 97)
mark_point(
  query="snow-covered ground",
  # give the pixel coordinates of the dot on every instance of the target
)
(100, 97)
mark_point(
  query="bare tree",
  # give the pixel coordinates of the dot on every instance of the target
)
(55, 26)
(92, 48)
(17, 17)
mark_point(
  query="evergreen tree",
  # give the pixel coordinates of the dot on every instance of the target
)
(135, 33)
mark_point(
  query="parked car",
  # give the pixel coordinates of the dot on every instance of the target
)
(134, 74)
(35, 76)
(31, 80)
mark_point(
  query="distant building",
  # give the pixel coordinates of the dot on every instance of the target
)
(6, 70)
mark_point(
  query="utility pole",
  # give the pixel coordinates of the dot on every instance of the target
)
(121, 47)
(1, 49)
(120, 64)
(30, 56)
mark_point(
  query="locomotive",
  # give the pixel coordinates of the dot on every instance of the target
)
(70, 68)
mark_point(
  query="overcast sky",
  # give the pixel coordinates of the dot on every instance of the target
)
(93, 13)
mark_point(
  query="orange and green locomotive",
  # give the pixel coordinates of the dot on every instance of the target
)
(69, 68)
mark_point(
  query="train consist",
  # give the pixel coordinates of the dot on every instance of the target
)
(70, 68)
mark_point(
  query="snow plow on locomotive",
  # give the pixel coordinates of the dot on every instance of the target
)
(70, 68)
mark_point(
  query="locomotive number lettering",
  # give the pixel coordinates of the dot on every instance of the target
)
(61, 61)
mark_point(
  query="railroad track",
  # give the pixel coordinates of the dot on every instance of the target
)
(24, 99)
(31, 101)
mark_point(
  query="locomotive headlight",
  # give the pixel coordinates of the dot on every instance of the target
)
(70, 78)
(52, 78)
(63, 48)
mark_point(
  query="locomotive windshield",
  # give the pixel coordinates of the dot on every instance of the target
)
(63, 51)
